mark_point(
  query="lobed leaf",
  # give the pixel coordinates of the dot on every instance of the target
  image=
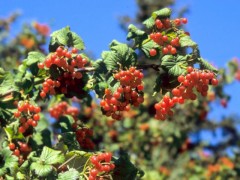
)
(120, 54)
(206, 65)
(34, 57)
(50, 156)
(162, 13)
(149, 23)
(186, 41)
(72, 174)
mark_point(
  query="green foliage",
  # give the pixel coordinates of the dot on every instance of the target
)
(147, 45)
(206, 65)
(186, 41)
(125, 169)
(65, 37)
(70, 174)
(43, 165)
(150, 22)
(119, 56)
(8, 162)
(162, 13)
(59, 150)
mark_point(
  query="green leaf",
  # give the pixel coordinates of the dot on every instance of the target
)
(206, 65)
(120, 54)
(149, 23)
(113, 84)
(65, 123)
(22, 69)
(69, 139)
(168, 61)
(186, 41)
(34, 57)
(100, 88)
(65, 37)
(50, 156)
(42, 170)
(147, 46)
(75, 41)
(12, 131)
(157, 85)
(100, 69)
(125, 169)
(136, 34)
(28, 82)
(162, 13)
(59, 38)
(174, 66)
(176, 70)
(71, 174)
(8, 162)
(7, 83)
(20, 176)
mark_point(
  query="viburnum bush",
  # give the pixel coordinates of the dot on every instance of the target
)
(55, 107)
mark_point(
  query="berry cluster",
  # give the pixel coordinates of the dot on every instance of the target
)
(28, 115)
(169, 44)
(83, 136)
(101, 165)
(128, 93)
(63, 108)
(20, 149)
(194, 81)
(69, 79)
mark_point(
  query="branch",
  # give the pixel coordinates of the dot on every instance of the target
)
(86, 69)
(140, 66)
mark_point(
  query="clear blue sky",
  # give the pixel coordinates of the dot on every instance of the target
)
(213, 24)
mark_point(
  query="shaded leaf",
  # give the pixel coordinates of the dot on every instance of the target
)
(147, 46)
(7, 83)
(206, 65)
(186, 41)
(149, 23)
(65, 123)
(174, 66)
(51, 156)
(71, 174)
(120, 54)
(40, 169)
(125, 169)
(136, 34)
(8, 162)
(59, 38)
(162, 13)
(75, 41)
(34, 57)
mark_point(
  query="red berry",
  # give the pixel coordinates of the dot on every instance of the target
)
(165, 50)
(152, 52)
(40, 65)
(184, 20)
(42, 94)
(17, 114)
(108, 156)
(214, 82)
(189, 69)
(173, 50)
(36, 117)
(11, 146)
(93, 172)
(16, 152)
(21, 129)
(165, 38)
(74, 50)
(34, 123)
